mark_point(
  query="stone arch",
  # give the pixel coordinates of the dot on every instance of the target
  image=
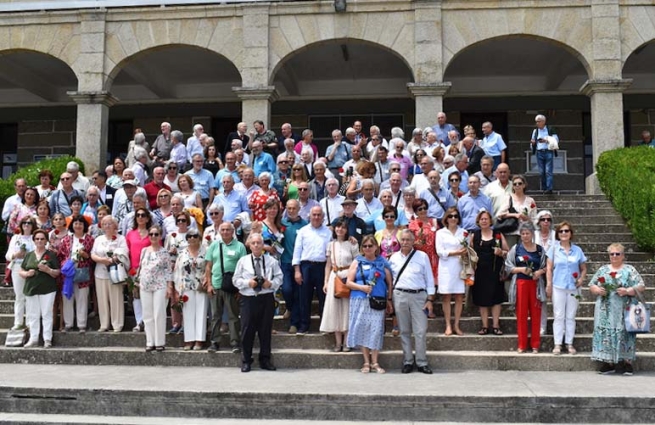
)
(637, 30)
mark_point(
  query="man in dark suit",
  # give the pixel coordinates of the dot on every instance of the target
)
(474, 153)
(286, 133)
(241, 134)
(107, 193)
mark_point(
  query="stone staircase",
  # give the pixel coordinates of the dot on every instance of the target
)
(595, 224)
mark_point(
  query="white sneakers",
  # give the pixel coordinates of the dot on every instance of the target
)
(31, 344)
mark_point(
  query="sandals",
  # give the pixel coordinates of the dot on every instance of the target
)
(337, 348)
(557, 350)
(376, 367)
(366, 368)
(571, 349)
(483, 331)
(497, 331)
(395, 331)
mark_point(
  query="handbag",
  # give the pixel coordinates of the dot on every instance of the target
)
(340, 288)
(376, 303)
(117, 273)
(637, 316)
(228, 277)
(82, 275)
(16, 338)
(508, 224)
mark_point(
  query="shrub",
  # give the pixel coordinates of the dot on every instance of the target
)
(627, 177)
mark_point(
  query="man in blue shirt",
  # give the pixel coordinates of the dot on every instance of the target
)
(442, 128)
(539, 144)
(262, 161)
(472, 203)
(233, 202)
(439, 199)
(290, 289)
(230, 168)
(493, 144)
(203, 180)
(337, 153)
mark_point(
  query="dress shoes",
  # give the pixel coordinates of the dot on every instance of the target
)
(267, 366)
(425, 369)
(245, 367)
(408, 368)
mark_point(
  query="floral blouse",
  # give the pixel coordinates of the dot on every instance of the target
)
(69, 248)
(189, 271)
(155, 270)
(20, 212)
(175, 240)
(257, 201)
(210, 235)
(55, 238)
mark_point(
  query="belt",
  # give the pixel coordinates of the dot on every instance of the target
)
(410, 291)
(313, 262)
(338, 269)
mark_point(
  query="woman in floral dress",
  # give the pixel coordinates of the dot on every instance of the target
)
(259, 198)
(425, 231)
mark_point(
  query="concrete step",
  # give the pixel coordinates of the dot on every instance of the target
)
(583, 212)
(630, 246)
(611, 227)
(643, 267)
(606, 238)
(577, 221)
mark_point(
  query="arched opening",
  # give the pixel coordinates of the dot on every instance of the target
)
(331, 84)
(507, 81)
(639, 98)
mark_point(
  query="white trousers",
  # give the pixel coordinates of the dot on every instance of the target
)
(154, 317)
(110, 304)
(544, 317)
(565, 307)
(19, 301)
(138, 310)
(80, 299)
(40, 307)
(195, 316)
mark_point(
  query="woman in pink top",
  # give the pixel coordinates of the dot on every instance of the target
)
(137, 240)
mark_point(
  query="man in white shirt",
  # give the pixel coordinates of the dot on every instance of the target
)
(331, 204)
(309, 257)
(413, 295)
(368, 204)
(80, 183)
(499, 190)
(420, 181)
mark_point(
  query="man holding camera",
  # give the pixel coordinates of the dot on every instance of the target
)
(257, 276)
(544, 154)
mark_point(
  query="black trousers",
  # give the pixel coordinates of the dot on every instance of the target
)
(257, 317)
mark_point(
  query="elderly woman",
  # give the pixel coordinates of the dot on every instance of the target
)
(188, 275)
(45, 188)
(378, 219)
(215, 213)
(175, 243)
(566, 271)
(416, 160)
(109, 249)
(366, 171)
(95, 230)
(522, 207)
(172, 176)
(58, 232)
(40, 269)
(93, 202)
(425, 231)
(368, 276)
(155, 287)
(488, 291)
(449, 245)
(526, 261)
(19, 246)
(164, 197)
(614, 285)
(140, 142)
(137, 240)
(191, 197)
(27, 208)
(43, 216)
(260, 197)
(116, 179)
(453, 184)
(400, 156)
(544, 236)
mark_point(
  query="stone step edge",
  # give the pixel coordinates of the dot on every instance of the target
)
(50, 418)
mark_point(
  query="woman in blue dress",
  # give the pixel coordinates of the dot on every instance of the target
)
(369, 276)
(614, 285)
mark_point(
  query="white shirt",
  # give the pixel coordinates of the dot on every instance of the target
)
(9, 206)
(244, 272)
(497, 194)
(417, 274)
(311, 244)
(420, 183)
(365, 209)
(178, 155)
(333, 206)
(139, 171)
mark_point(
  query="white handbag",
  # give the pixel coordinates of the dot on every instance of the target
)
(117, 273)
(16, 338)
(553, 145)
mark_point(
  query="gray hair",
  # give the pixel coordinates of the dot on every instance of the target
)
(216, 207)
(335, 132)
(197, 155)
(179, 198)
(139, 153)
(540, 214)
(307, 149)
(226, 223)
(460, 156)
(266, 174)
(139, 138)
(540, 117)
(350, 130)
(366, 182)
(110, 218)
(397, 132)
(409, 191)
(526, 225)
(254, 235)
(396, 141)
(168, 165)
(238, 141)
(407, 232)
(177, 135)
(332, 180)
(376, 128)
(320, 164)
(191, 232)
(487, 158)
(141, 196)
(306, 132)
(383, 191)
(72, 166)
(197, 126)
(229, 176)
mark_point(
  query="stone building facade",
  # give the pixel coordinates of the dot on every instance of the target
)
(79, 80)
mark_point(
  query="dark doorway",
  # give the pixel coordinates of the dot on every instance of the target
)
(221, 127)
(8, 148)
(120, 134)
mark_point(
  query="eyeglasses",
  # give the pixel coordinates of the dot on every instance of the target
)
(181, 220)
(454, 180)
(616, 254)
(164, 196)
(153, 235)
(282, 162)
(39, 239)
(517, 184)
(421, 209)
(172, 168)
(26, 222)
(545, 219)
(192, 236)
(395, 170)
(368, 245)
(389, 217)
(214, 213)
(64, 179)
(453, 216)
(564, 231)
(302, 189)
(141, 215)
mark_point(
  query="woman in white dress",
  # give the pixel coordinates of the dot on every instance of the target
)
(340, 255)
(450, 248)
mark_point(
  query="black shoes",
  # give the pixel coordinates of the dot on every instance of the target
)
(245, 367)
(606, 369)
(408, 368)
(213, 347)
(267, 366)
(627, 369)
(425, 369)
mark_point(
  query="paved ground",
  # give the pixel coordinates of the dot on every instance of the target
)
(323, 381)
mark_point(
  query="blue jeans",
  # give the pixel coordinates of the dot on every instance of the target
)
(291, 293)
(313, 276)
(545, 162)
(497, 161)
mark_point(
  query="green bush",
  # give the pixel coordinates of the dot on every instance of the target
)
(627, 177)
(31, 174)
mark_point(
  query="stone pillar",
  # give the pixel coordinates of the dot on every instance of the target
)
(256, 103)
(91, 130)
(606, 120)
(429, 101)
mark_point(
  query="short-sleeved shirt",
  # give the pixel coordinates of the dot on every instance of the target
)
(40, 283)
(565, 265)
(232, 252)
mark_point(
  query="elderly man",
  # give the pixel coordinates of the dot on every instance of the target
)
(289, 150)
(161, 149)
(433, 142)
(240, 134)
(461, 165)
(357, 158)
(499, 190)
(382, 164)
(80, 183)
(368, 204)
(350, 136)
(178, 150)
(59, 200)
(290, 289)
(125, 204)
(286, 132)
(306, 203)
(309, 257)
(237, 145)
(177, 206)
(441, 129)
(247, 185)
(420, 181)
(331, 203)
(267, 137)
(474, 154)
(646, 139)
(357, 228)
(203, 180)
(413, 293)
(317, 189)
(262, 161)
(486, 173)
(338, 153)
(233, 202)
(360, 137)
(193, 144)
(471, 204)
(375, 142)
(106, 193)
(395, 184)
(139, 200)
(257, 276)
(140, 167)
(20, 186)
(439, 198)
(156, 184)
(229, 169)
(539, 144)
(493, 144)
(222, 257)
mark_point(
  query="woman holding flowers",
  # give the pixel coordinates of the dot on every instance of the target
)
(526, 261)
(19, 246)
(523, 207)
(58, 233)
(77, 246)
(155, 287)
(26, 209)
(488, 291)
(271, 228)
(545, 237)
(425, 230)
(137, 240)
(451, 247)
(176, 242)
(614, 285)
(566, 271)
(369, 280)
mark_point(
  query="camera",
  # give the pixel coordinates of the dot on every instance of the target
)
(260, 282)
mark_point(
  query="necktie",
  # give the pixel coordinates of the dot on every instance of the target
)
(258, 266)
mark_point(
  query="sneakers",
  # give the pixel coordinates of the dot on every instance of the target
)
(627, 369)
(47, 344)
(606, 369)
(31, 344)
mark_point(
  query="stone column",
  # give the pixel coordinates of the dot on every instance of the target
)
(256, 103)
(606, 120)
(429, 101)
(91, 130)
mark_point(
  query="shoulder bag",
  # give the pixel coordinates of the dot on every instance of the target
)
(228, 277)
(117, 273)
(376, 303)
(340, 288)
(637, 316)
(508, 224)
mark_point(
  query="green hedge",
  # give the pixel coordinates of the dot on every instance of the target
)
(31, 174)
(627, 177)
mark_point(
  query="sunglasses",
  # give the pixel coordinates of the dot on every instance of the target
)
(181, 220)
(63, 179)
(141, 215)
(192, 236)
(214, 213)
(616, 254)
(421, 209)
(389, 217)
(282, 162)
(164, 196)
(454, 180)
(517, 184)
(564, 231)
(153, 235)
(395, 170)
(26, 222)
(453, 216)
(545, 219)
(368, 245)
(302, 189)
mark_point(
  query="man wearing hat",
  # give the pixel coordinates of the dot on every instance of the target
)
(357, 228)
(123, 203)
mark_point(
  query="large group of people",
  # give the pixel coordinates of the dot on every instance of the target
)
(374, 229)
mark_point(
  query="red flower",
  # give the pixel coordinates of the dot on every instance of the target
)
(420, 224)
(341, 170)
(56, 231)
(499, 236)
(282, 229)
(174, 235)
(533, 206)
(575, 275)
(466, 234)
(460, 194)
(185, 298)
(209, 238)
(613, 274)
(17, 231)
(46, 257)
(526, 258)
(377, 275)
(113, 238)
(81, 240)
(132, 272)
(601, 279)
